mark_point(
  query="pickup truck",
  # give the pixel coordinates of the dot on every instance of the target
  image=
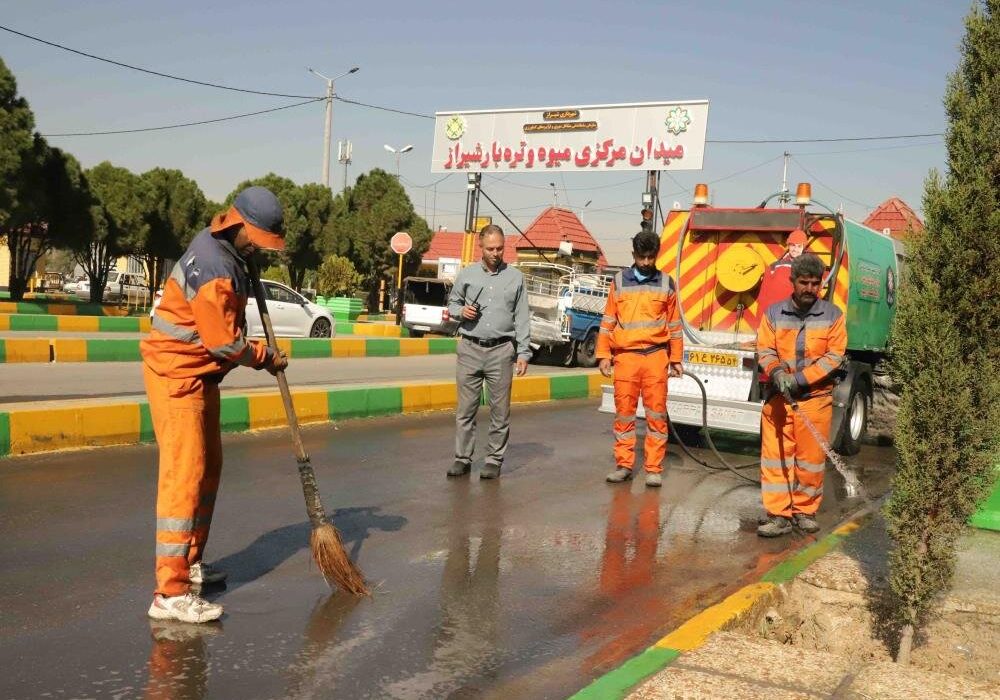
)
(425, 306)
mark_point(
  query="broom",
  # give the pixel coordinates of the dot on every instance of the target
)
(327, 548)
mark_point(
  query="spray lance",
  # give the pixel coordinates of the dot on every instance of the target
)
(854, 487)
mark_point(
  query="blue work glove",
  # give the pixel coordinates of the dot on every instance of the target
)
(785, 383)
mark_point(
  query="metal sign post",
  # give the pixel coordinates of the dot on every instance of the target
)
(401, 243)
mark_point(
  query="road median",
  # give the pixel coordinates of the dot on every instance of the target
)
(62, 425)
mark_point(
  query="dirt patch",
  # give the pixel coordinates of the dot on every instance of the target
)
(839, 605)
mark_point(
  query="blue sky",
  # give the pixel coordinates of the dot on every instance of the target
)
(777, 70)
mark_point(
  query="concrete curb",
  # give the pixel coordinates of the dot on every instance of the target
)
(692, 634)
(61, 308)
(127, 350)
(62, 425)
(79, 324)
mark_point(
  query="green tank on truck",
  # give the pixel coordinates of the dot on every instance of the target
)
(721, 259)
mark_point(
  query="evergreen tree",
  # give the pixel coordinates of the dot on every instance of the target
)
(945, 352)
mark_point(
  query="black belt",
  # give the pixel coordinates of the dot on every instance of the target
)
(487, 342)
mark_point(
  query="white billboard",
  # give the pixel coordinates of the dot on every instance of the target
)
(643, 136)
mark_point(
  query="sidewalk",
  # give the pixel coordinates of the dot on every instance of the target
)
(817, 635)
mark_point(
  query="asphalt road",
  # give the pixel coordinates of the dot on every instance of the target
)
(25, 382)
(525, 587)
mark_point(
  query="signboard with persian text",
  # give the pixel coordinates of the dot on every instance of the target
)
(643, 136)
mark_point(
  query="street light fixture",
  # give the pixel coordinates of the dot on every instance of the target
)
(328, 130)
(398, 152)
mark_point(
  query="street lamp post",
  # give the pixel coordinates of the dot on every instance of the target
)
(328, 130)
(398, 152)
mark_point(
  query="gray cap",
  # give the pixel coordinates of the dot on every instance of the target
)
(262, 214)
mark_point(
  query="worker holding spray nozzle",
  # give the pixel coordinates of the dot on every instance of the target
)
(801, 345)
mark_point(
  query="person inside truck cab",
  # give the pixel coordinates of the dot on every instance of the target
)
(776, 285)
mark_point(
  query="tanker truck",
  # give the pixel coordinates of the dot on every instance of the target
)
(719, 258)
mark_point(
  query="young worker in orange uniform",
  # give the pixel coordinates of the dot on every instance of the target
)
(195, 340)
(640, 337)
(801, 343)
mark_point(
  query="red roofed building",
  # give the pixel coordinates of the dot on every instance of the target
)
(446, 246)
(554, 226)
(895, 218)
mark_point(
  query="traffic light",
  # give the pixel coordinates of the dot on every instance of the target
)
(647, 220)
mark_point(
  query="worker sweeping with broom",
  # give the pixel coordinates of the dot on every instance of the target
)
(196, 339)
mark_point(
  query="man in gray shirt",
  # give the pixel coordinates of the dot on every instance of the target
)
(492, 304)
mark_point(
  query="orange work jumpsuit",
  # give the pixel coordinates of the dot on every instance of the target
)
(810, 346)
(641, 333)
(195, 340)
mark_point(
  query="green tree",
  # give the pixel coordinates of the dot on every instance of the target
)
(121, 222)
(946, 356)
(337, 276)
(178, 212)
(50, 210)
(365, 217)
(16, 125)
(307, 210)
(276, 273)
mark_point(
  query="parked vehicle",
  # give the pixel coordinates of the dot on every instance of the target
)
(566, 308)
(127, 287)
(425, 306)
(718, 258)
(292, 315)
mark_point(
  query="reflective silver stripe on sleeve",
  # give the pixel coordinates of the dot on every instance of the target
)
(174, 524)
(673, 324)
(177, 275)
(604, 331)
(172, 550)
(174, 331)
(238, 351)
(609, 319)
(627, 435)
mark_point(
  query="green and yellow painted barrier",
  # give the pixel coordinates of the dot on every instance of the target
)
(79, 324)
(127, 349)
(385, 330)
(61, 425)
(63, 308)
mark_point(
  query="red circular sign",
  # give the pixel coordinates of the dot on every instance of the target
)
(401, 243)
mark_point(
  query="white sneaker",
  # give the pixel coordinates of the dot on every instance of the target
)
(186, 608)
(201, 573)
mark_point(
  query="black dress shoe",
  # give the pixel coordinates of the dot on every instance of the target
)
(489, 471)
(459, 468)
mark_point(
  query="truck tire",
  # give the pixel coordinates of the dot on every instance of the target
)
(415, 334)
(586, 350)
(855, 423)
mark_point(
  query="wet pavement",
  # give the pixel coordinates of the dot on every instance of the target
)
(525, 587)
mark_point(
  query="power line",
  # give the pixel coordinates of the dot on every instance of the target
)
(384, 109)
(864, 150)
(826, 140)
(152, 72)
(178, 126)
(823, 184)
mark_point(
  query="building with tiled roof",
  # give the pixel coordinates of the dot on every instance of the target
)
(895, 218)
(553, 227)
(445, 251)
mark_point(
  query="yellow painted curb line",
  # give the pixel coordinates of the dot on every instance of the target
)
(693, 633)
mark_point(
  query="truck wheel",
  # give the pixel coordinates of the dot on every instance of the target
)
(415, 334)
(586, 351)
(855, 420)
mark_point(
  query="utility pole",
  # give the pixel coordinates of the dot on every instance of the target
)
(328, 125)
